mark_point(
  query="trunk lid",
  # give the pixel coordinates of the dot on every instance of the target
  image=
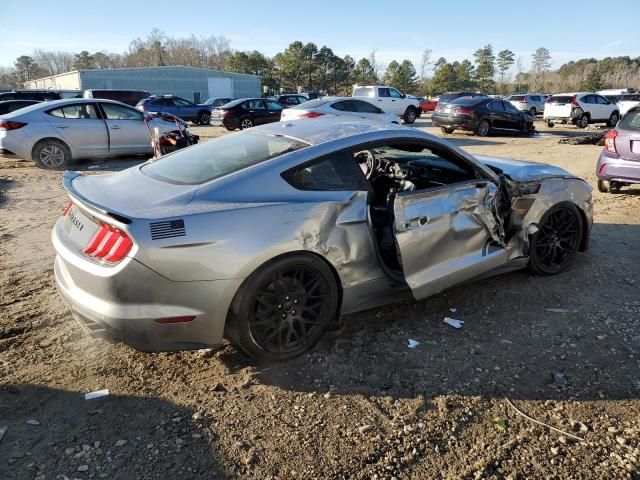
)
(128, 193)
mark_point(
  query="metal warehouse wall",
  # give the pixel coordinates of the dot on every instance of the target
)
(184, 82)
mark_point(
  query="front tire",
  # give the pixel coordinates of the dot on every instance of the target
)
(447, 130)
(284, 308)
(51, 154)
(550, 124)
(484, 127)
(533, 112)
(553, 248)
(409, 116)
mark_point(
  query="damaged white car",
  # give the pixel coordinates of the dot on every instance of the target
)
(266, 236)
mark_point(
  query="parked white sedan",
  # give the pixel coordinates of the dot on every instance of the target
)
(338, 107)
(55, 133)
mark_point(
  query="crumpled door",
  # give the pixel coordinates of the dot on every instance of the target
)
(447, 235)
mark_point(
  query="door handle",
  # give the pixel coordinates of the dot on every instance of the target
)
(393, 100)
(115, 127)
(62, 126)
(379, 99)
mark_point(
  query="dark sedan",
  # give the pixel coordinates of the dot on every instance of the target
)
(9, 106)
(246, 112)
(481, 115)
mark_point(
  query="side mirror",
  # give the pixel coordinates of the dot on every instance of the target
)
(403, 95)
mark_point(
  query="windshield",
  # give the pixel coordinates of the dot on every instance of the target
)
(220, 157)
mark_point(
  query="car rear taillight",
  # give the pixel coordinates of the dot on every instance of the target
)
(439, 109)
(223, 113)
(310, 115)
(610, 141)
(6, 125)
(574, 102)
(548, 100)
(109, 244)
(524, 100)
(66, 209)
(464, 110)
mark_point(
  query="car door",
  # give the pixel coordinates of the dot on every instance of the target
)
(445, 234)
(344, 107)
(497, 114)
(513, 117)
(591, 106)
(397, 105)
(384, 99)
(128, 133)
(186, 110)
(80, 126)
(257, 110)
(605, 106)
(274, 111)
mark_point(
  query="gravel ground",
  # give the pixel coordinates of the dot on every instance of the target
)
(562, 350)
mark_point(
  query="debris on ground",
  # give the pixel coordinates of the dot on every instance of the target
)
(558, 378)
(413, 343)
(589, 139)
(96, 394)
(3, 430)
(453, 322)
(556, 310)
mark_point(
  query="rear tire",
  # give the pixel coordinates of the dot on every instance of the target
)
(447, 130)
(246, 123)
(484, 128)
(550, 124)
(533, 112)
(204, 118)
(410, 115)
(583, 121)
(51, 154)
(553, 248)
(603, 186)
(613, 119)
(284, 308)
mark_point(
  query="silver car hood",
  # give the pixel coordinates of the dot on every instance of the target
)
(129, 193)
(522, 171)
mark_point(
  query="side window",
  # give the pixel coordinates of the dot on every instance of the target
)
(588, 99)
(181, 102)
(86, 111)
(496, 106)
(335, 172)
(273, 105)
(510, 108)
(118, 112)
(344, 106)
(601, 100)
(365, 107)
(257, 105)
(395, 93)
(384, 92)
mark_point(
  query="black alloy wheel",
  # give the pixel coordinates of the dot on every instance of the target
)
(555, 245)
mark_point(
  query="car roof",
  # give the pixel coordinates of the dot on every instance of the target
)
(62, 102)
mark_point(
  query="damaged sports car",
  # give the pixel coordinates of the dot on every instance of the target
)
(266, 236)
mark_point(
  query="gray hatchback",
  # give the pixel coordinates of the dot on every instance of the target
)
(529, 102)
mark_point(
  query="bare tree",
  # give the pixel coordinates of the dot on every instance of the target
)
(424, 65)
(54, 62)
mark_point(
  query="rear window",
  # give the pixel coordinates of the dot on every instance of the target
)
(446, 97)
(470, 101)
(517, 98)
(220, 157)
(311, 104)
(631, 121)
(561, 99)
(363, 92)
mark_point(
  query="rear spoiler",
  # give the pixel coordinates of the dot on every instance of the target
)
(67, 181)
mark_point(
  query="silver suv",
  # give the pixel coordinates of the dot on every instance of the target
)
(529, 102)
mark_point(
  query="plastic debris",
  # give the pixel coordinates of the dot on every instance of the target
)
(413, 343)
(453, 310)
(96, 394)
(3, 430)
(500, 423)
(556, 310)
(453, 322)
(558, 378)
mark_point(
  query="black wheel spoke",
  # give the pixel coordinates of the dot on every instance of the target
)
(557, 238)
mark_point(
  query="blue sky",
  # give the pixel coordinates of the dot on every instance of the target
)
(398, 30)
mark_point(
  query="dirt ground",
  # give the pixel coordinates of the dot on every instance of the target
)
(362, 404)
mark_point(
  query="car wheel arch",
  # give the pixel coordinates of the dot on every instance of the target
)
(51, 139)
(233, 306)
(584, 240)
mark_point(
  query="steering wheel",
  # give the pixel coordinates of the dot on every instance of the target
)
(367, 161)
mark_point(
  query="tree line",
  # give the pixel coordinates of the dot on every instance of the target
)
(306, 66)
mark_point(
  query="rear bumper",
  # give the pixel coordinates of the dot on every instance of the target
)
(16, 142)
(617, 169)
(124, 306)
(451, 121)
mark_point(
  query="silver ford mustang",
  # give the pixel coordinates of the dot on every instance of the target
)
(266, 236)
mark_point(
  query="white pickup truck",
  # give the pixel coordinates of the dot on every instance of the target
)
(390, 100)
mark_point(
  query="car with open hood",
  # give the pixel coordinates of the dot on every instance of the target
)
(266, 236)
